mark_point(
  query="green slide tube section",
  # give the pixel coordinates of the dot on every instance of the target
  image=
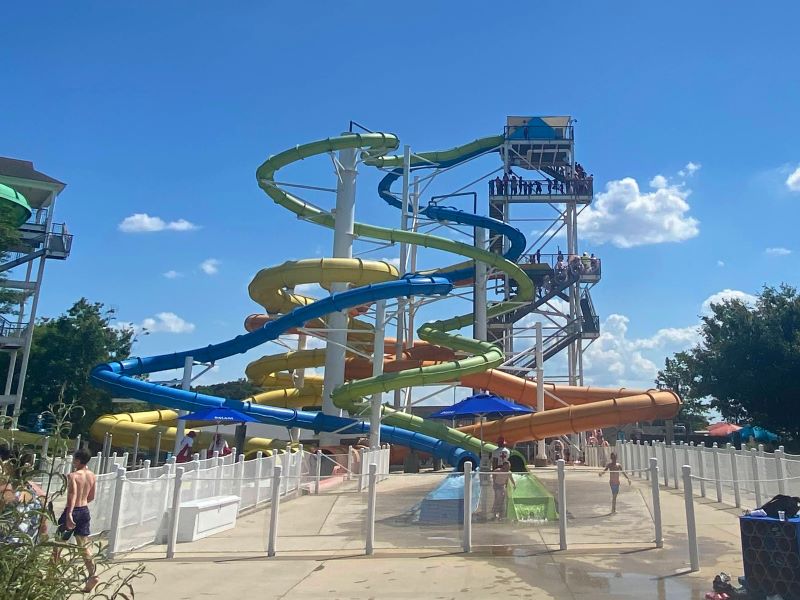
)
(484, 355)
(531, 500)
(16, 204)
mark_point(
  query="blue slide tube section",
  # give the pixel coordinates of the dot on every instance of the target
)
(119, 377)
(455, 215)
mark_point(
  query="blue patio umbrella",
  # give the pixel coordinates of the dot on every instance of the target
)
(758, 433)
(219, 416)
(482, 405)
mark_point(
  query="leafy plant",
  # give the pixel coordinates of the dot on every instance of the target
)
(28, 539)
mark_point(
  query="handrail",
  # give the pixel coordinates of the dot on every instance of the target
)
(539, 133)
(519, 186)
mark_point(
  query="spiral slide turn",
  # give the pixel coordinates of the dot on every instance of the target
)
(443, 356)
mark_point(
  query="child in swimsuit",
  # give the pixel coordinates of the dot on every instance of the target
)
(614, 469)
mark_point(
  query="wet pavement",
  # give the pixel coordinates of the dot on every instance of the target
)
(320, 550)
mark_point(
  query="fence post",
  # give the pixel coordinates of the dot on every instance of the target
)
(362, 469)
(646, 465)
(664, 463)
(317, 471)
(77, 443)
(675, 465)
(656, 502)
(113, 533)
(468, 506)
(300, 452)
(218, 472)
(135, 450)
(239, 476)
(273, 515)
(562, 505)
(44, 463)
(717, 481)
(691, 526)
(779, 470)
(259, 474)
(176, 513)
(701, 463)
(349, 463)
(157, 449)
(371, 498)
(756, 476)
(146, 468)
(737, 494)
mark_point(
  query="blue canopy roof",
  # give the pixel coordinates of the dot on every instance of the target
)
(481, 405)
(758, 433)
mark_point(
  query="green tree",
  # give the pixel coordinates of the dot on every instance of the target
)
(747, 361)
(237, 389)
(678, 376)
(9, 240)
(63, 352)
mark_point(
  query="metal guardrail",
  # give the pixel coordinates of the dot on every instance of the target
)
(520, 186)
(11, 329)
(538, 133)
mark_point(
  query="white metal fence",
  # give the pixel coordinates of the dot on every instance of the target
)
(743, 478)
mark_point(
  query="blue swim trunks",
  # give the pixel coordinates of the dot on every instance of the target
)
(80, 514)
(615, 488)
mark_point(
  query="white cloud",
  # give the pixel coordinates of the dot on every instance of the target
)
(793, 180)
(658, 182)
(720, 263)
(210, 266)
(777, 251)
(144, 223)
(626, 217)
(690, 169)
(172, 274)
(727, 294)
(392, 261)
(166, 322)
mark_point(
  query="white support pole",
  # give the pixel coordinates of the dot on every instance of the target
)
(687, 460)
(656, 502)
(479, 328)
(113, 532)
(691, 526)
(779, 470)
(371, 499)
(675, 466)
(377, 369)
(541, 449)
(701, 463)
(717, 481)
(401, 302)
(186, 384)
(467, 507)
(562, 505)
(737, 493)
(175, 515)
(135, 449)
(664, 463)
(273, 515)
(756, 476)
(339, 320)
(259, 474)
(317, 471)
(646, 461)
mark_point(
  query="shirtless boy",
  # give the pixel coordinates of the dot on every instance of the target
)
(75, 518)
(614, 469)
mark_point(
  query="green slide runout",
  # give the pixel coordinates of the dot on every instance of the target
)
(350, 396)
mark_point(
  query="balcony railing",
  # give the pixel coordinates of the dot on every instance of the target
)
(538, 133)
(541, 187)
(11, 329)
(564, 264)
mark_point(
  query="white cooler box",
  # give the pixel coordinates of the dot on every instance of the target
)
(202, 518)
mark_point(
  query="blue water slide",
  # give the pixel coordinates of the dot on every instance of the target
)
(120, 377)
(455, 215)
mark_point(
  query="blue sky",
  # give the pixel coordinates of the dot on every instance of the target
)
(166, 109)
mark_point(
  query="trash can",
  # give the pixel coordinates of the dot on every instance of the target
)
(771, 556)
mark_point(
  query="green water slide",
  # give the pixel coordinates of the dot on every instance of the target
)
(483, 355)
(15, 203)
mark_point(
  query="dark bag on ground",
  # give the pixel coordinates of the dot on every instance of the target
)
(788, 504)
